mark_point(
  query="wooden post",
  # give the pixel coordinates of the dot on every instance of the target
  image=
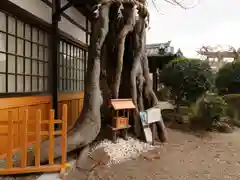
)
(24, 147)
(55, 40)
(64, 134)
(38, 138)
(114, 136)
(154, 81)
(51, 138)
(10, 140)
(125, 134)
(153, 133)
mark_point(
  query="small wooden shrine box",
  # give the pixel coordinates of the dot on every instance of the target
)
(121, 112)
(120, 116)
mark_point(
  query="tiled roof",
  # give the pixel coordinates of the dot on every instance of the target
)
(160, 49)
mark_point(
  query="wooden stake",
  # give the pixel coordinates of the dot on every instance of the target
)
(51, 138)
(10, 140)
(24, 147)
(64, 134)
(38, 138)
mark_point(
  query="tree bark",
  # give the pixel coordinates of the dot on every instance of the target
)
(128, 27)
(88, 125)
(117, 50)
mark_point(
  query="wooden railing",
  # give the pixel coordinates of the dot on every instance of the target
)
(24, 133)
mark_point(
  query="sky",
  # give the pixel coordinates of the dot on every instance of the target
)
(210, 22)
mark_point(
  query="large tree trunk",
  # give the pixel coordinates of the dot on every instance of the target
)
(117, 52)
(88, 125)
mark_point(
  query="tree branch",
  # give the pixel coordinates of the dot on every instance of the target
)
(155, 6)
(180, 4)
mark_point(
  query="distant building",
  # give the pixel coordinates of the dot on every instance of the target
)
(160, 49)
(159, 55)
(218, 56)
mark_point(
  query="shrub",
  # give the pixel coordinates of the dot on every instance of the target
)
(228, 78)
(209, 109)
(233, 110)
(187, 79)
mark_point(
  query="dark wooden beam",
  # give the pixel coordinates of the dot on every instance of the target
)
(24, 15)
(55, 54)
(65, 7)
(84, 6)
(65, 15)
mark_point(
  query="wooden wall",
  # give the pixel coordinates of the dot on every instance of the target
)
(74, 102)
(32, 103)
(17, 106)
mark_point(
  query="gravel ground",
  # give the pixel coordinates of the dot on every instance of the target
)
(186, 157)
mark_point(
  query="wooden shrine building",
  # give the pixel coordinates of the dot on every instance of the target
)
(43, 54)
(158, 56)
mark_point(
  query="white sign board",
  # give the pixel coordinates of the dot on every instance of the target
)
(146, 129)
(153, 115)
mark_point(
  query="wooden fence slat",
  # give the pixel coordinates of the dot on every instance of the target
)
(38, 133)
(10, 140)
(44, 168)
(51, 138)
(56, 121)
(38, 137)
(64, 134)
(43, 133)
(24, 138)
(31, 121)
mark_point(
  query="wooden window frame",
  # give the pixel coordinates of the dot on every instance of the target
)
(13, 72)
(27, 18)
(71, 77)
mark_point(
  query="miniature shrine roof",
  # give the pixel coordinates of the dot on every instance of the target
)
(119, 104)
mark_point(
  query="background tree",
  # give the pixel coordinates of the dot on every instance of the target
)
(187, 79)
(228, 78)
